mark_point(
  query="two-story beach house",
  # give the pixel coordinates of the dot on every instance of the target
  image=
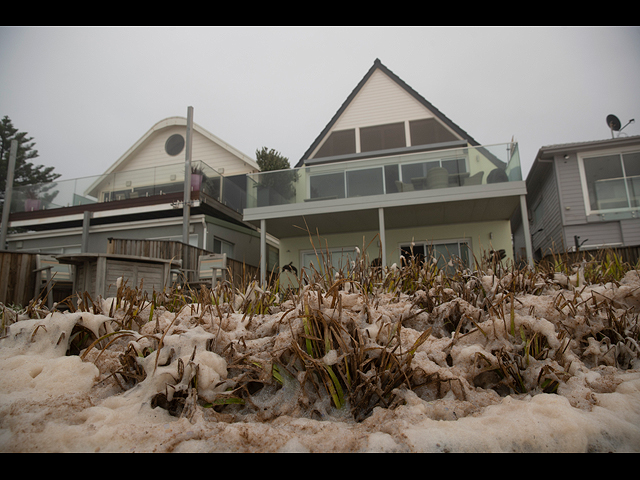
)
(392, 175)
(584, 195)
(141, 196)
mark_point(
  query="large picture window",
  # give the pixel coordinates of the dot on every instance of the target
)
(612, 181)
(337, 259)
(446, 253)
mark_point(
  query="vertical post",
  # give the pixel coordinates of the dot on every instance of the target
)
(86, 223)
(525, 226)
(383, 238)
(186, 207)
(8, 192)
(263, 253)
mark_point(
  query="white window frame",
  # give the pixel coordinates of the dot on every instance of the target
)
(434, 243)
(583, 178)
(344, 252)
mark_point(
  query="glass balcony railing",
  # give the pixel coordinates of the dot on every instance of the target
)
(125, 185)
(459, 167)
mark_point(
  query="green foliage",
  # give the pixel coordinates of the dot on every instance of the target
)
(269, 160)
(26, 173)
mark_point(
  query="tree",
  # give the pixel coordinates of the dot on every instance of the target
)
(279, 187)
(26, 173)
(271, 160)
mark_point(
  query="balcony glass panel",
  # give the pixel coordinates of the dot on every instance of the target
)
(365, 182)
(124, 185)
(326, 186)
(459, 167)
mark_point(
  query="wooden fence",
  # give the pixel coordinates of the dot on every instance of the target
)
(17, 277)
(239, 273)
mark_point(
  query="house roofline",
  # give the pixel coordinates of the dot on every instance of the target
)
(547, 153)
(377, 65)
(180, 121)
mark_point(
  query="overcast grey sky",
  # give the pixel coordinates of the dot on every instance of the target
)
(88, 94)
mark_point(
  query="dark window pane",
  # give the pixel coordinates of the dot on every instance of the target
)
(429, 130)
(382, 137)
(413, 253)
(391, 176)
(174, 144)
(342, 142)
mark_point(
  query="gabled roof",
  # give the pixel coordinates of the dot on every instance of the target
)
(377, 65)
(179, 121)
(546, 153)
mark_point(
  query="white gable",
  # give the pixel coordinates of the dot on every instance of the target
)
(381, 101)
(150, 151)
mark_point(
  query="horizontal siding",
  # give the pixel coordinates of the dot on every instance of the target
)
(630, 232)
(379, 102)
(550, 238)
(595, 234)
(152, 154)
(571, 195)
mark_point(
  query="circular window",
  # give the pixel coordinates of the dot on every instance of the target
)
(174, 145)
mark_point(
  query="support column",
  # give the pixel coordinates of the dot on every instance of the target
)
(383, 238)
(525, 226)
(186, 207)
(263, 253)
(86, 223)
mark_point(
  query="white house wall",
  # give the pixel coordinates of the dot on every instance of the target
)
(483, 237)
(153, 154)
(380, 101)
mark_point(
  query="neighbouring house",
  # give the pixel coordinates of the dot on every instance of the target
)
(141, 196)
(584, 196)
(393, 176)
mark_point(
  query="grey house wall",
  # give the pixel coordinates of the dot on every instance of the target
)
(594, 231)
(546, 230)
(204, 229)
(558, 191)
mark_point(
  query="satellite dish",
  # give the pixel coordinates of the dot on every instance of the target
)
(613, 122)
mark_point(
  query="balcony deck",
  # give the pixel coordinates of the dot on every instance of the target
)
(133, 192)
(437, 187)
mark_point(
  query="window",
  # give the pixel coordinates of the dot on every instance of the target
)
(612, 181)
(338, 259)
(382, 137)
(174, 144)
(445, 253)
(222, 246)
(341, 142)
(428, 131)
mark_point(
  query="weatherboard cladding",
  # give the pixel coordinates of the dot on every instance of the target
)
(369, 116)
(551, 236)
(567, 199)
(570, 190)
(153, 154)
